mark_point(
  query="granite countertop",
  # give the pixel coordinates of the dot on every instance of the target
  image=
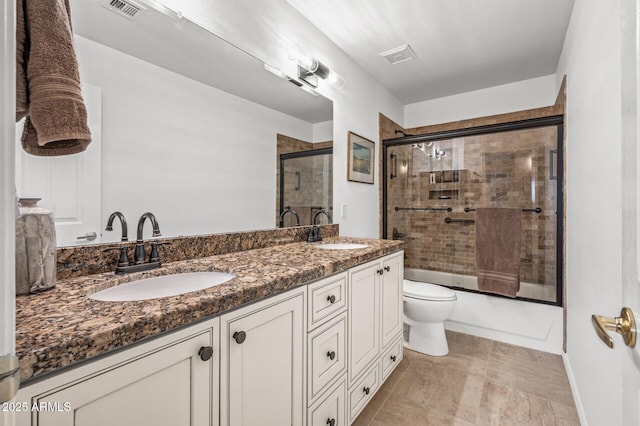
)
(63, 326)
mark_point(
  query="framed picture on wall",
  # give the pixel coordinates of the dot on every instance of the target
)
(361, 159)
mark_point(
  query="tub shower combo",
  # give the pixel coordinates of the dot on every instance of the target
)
(433, 186)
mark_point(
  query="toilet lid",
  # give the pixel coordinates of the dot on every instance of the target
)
(426, 291)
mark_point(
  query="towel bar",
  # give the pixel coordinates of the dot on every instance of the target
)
(450, 220)
(536, 210)
(434, 209)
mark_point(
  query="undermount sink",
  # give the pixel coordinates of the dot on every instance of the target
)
(342, 246)
(162, 286)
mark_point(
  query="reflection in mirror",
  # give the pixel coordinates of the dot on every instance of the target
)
(306, 187)
(184, 125)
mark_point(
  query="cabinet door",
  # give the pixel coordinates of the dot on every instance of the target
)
(364, 317)
(264, 367)
(391, 295)
(172, 386)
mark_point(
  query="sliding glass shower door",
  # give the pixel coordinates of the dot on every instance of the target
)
(306, 187)
(434, 184)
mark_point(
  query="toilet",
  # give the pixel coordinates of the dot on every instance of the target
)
(426, 307)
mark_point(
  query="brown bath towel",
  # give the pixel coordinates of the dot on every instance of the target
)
(48, 82)
(498, 250)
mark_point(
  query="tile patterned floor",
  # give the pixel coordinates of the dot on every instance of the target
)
(481, 382)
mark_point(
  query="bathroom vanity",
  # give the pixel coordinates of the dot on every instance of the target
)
(270, 347)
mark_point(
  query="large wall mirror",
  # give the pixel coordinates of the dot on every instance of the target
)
(185, 125)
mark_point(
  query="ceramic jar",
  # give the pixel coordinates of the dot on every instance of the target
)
(35, 248)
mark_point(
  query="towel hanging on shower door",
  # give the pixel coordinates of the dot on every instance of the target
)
(498, 250)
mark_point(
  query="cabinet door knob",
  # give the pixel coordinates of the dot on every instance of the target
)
(380, 271)
(331, 299)
(331, 422)
(387, 268)
(393, 358)
(331, 355)
(205, 353)
(239, 336)
(366, 390)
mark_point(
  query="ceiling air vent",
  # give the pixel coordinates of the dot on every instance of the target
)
(125, 8)
(399, 54)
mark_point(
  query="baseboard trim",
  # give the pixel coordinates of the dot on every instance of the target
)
(574, 390)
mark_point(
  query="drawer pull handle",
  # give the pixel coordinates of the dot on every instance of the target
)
(380, 271)
(331, 355)
(205, 353)
(387, 268)
(331, 422)
(393, 358)
(366, 390)
(331, 299)
(239, 337)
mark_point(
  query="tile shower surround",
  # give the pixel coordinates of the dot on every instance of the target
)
(497, 172)
(92, 259)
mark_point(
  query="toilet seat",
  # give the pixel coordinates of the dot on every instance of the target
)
(426, 291)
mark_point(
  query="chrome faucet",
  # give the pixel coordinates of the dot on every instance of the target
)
(139, 251)
(286, 210)
(123, 225)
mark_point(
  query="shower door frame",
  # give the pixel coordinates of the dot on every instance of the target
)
(299, 154)
(554, 120)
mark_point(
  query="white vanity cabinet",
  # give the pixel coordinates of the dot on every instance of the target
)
(327, 352)
(391, 298)
(262, 362)
(169, 381)
(312, 356)
(375, 327)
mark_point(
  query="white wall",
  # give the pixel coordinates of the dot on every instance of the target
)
(323, 132)
(591, 59)
(7, 188)
(200, 159)
(269, 34)
(521, 95)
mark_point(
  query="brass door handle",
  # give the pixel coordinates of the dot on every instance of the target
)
(625, 325)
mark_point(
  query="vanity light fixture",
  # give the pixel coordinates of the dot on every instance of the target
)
(309, 90)
(302, 86)
(308, 63)
(282, 75)
(275, 71)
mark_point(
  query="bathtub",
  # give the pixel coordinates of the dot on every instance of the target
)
(543, 292)
(532, 325)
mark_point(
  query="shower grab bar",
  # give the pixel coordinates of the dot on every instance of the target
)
(424, 209)
(536, 210)
(450, 220)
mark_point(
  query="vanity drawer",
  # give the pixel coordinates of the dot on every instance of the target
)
(391, 358)
(331, 408)
(363, 390)
(327, 297)
(327, 355)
